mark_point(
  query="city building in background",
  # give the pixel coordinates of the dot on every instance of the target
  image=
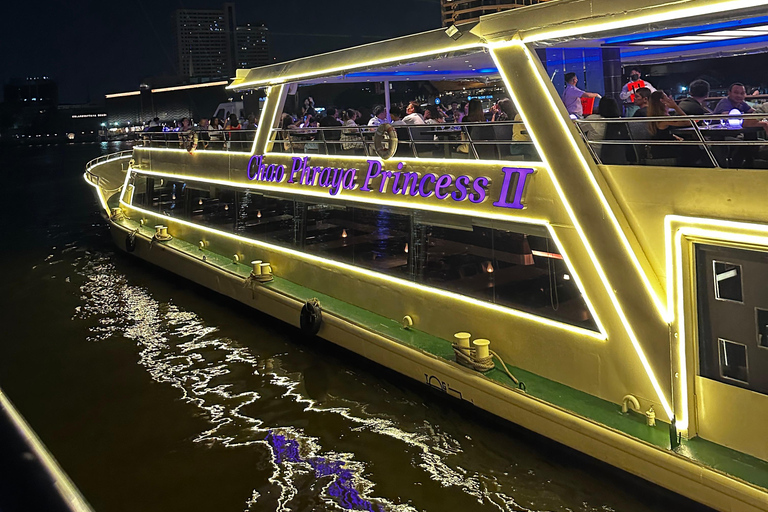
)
(205, 42)
(37, 94)
(464, 11)
(210, 45)
(252, 46)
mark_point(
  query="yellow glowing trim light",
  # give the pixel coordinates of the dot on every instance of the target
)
(193, 86)
(648, 19)
(442, 161)
(201, 152)
(58, 479)
(325, 196)
(593, 256)
(674, 253)
(660, 306)
(121, 94)
(321, 72)
(98, 193)
(271, 125)
(310, 257)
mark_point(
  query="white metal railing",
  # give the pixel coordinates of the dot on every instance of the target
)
(95, 178)
(474, 141)
(721, 141)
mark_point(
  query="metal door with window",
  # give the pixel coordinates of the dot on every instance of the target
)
(732, 293)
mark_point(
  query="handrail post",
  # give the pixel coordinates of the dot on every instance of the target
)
(704, 143)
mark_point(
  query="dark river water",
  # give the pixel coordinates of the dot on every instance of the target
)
(157, 395)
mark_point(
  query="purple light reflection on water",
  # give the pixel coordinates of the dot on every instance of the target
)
(287, 450)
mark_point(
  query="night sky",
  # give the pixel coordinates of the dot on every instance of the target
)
(96, 47)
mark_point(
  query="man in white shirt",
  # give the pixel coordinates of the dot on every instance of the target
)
(413, 112)
(379, 116)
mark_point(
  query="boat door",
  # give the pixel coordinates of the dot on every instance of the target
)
(732, 382)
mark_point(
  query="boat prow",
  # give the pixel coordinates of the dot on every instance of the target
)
(106, 175)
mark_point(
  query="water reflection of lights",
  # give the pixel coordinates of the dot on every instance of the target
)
(228, 381)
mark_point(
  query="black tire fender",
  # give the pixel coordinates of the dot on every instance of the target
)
(311, 317)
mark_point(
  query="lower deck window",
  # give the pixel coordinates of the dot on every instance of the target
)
(512, 265)
(733, 360)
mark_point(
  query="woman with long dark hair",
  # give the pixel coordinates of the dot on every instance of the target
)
(475, 112)
(658, 106)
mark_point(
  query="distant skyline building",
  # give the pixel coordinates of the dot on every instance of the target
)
(205, 42)
(210, 45)
(38, 93)
(464, 11)
(252, 48)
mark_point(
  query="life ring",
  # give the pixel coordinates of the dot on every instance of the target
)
(385, 133)
(191, 141)
(311, 317)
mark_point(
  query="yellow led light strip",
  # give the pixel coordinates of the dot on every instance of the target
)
(356, 199)
(121, 94)
(192, 86)
(262, 126)
(660, 306)
(442, 161)
(201, 152)
(321, 72)
(674, 256)
(593, 256)
(309, 257)
(58, 479)
(98, 192)
(683, 12)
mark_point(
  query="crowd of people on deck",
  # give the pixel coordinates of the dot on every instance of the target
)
(640, 99)
(637, 99)
(212, 133)
(299, 131)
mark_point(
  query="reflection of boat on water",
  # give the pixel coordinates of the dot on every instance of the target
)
(634, 285)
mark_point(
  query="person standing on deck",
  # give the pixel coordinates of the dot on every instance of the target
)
(572, 95)
(627, 93)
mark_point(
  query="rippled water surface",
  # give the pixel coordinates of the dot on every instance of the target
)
(157, 395)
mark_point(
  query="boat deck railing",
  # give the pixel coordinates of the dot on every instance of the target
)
(722, 141)
(96, 178)
(240, 141)
(711, 141)
(473, 141)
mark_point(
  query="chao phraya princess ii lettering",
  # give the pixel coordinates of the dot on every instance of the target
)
(442, 186)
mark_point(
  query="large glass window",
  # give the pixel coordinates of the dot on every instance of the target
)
(513, 265)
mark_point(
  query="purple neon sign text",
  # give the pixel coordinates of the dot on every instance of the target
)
(398, 181)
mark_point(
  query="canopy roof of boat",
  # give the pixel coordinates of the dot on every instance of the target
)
(646, 31)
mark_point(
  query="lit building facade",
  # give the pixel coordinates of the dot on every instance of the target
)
(205, 42)
(464, 11)
(252, 46)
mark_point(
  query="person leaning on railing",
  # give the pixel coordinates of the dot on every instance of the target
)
(204, 137)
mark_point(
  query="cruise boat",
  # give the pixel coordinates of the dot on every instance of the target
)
(616, 307)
